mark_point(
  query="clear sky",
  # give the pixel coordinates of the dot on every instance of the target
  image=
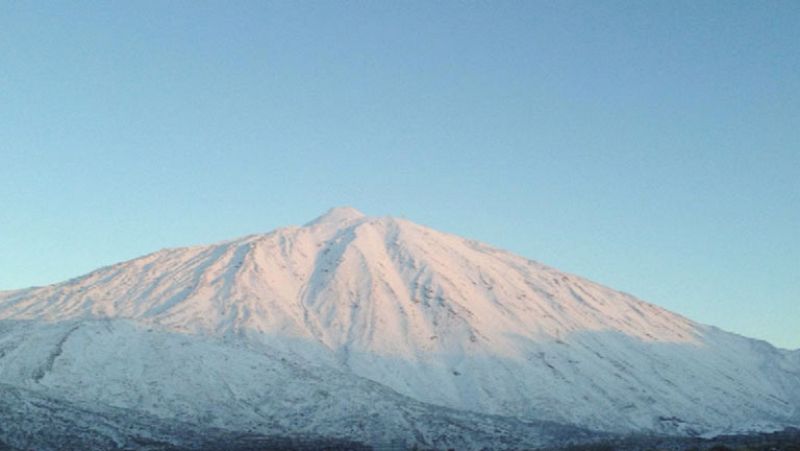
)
(652, 146)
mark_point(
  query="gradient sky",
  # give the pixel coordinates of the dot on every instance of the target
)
(651, 146)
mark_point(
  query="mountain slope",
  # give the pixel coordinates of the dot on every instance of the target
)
(35, 421)
(440, 319)
(205, 387)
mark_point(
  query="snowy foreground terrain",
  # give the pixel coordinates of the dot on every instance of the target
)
(353, 331)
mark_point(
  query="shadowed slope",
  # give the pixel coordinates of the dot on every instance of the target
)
(114, 366)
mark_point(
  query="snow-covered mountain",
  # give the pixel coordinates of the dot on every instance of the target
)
(384, 331)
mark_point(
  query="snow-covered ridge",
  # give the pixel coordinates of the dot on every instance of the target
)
(443, 320)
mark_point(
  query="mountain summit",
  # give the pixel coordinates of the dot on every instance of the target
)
(350, 310)
(338, 215)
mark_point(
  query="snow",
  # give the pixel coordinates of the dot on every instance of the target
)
(439, 319)
(118, 365)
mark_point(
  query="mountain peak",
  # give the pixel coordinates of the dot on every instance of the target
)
(338, 215)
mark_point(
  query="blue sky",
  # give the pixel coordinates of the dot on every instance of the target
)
(651, 146)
